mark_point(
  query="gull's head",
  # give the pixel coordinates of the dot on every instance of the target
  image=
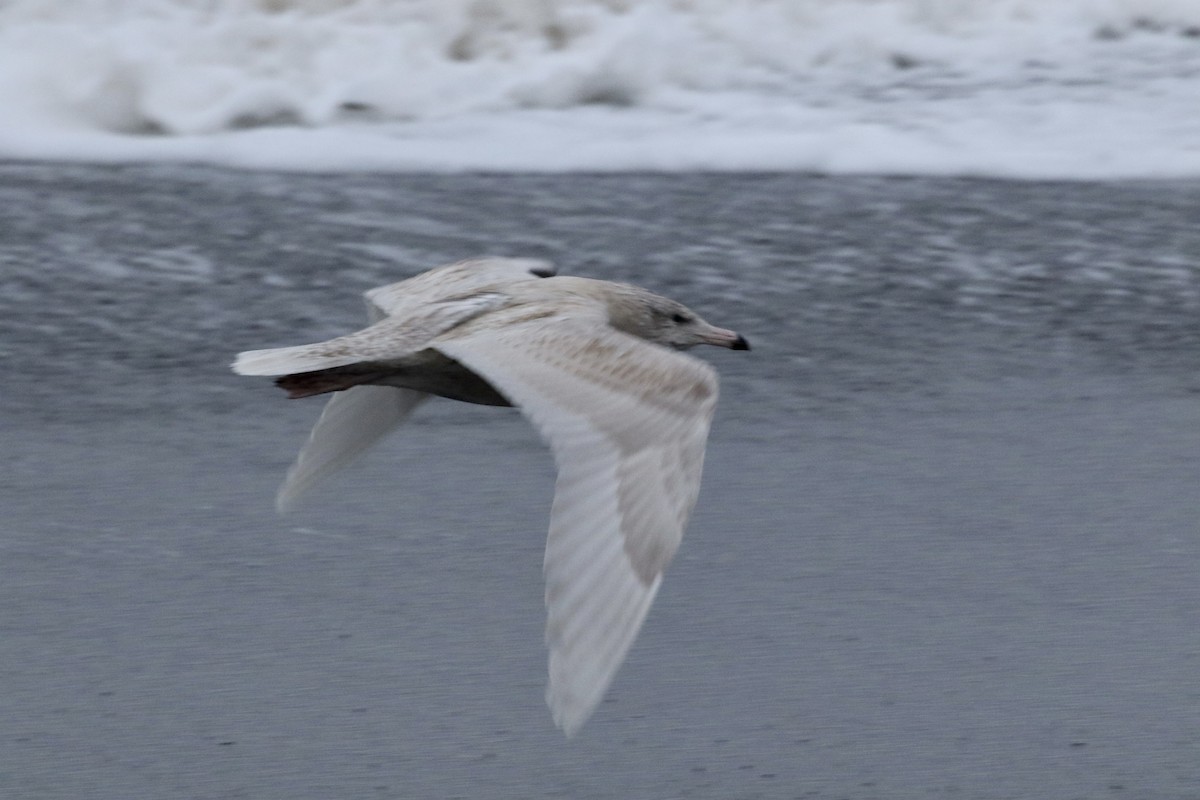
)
(666, 322)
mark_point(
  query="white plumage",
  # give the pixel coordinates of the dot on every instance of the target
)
(595, 367)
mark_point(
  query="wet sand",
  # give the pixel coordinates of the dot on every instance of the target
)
(946, 545)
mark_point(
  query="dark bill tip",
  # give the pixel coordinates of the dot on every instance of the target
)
(740, 344)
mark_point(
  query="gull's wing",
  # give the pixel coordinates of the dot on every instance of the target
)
(452, 280)
(627, 422)
(351, 422)
(405, 316)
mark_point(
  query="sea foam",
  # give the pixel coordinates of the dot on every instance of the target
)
(1066, 89)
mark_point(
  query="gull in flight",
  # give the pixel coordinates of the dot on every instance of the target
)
(596, 368)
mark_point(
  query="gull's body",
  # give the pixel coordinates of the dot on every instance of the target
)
(594, 366)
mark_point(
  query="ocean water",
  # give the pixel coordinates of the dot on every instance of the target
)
(1013, 88)
(946, 544)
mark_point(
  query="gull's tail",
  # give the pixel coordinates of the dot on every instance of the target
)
(290, 360)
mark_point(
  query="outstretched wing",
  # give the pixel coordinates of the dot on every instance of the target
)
(627, 422)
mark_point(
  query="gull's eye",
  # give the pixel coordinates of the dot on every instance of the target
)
(681, 319)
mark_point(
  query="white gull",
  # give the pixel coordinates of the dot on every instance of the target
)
(595, 367)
